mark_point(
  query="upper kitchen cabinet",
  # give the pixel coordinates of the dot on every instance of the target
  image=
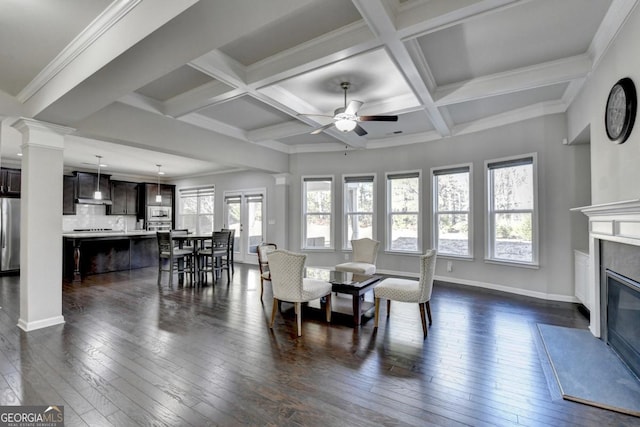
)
(69, 195)
(87, 185)
(124, 196)
(166, 191)
(10, 181)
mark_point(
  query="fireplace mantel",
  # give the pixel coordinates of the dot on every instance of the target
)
(618, 222)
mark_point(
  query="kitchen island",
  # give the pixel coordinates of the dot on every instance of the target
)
(94, 252)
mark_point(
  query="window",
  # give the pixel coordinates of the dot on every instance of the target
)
(452, 221)
(359, 202)
(196, 210)
(317, 221)
(512, 216)
(403, 212)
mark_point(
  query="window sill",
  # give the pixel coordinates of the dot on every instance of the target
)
(317, 250)
(455, 257)
(513, 264)
(388, 252)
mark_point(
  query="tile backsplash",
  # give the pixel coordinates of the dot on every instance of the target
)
(94, 216)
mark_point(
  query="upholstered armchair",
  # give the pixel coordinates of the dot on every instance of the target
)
(290, 285)
(363, 261)
(405, 290)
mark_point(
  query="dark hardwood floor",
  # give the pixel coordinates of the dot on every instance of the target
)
(132, 353)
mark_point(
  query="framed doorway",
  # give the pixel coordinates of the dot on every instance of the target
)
(245, 213)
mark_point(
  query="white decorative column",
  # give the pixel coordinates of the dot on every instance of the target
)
(281, 200)
(41, 224)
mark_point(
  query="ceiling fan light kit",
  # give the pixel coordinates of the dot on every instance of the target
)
(346, 119)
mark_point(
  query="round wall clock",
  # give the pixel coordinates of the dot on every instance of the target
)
(621, 110)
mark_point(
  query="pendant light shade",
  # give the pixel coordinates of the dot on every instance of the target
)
(97, 195)
(158, 195)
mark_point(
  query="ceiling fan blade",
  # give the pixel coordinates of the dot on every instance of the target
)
(317, 131)
(353, 107)
(378, 118)
(360, 131)
(314, 115)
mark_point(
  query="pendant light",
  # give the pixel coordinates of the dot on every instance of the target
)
(98, 194)
(158, 195)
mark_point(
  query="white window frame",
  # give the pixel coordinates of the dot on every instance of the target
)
(303, 243)
(196, 192)
(389, 176)
(435, 213)
(490, 211)
(346, 241)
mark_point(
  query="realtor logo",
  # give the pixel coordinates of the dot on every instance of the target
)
(32, 416)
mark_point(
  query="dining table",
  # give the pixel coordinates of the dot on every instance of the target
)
(197, 241)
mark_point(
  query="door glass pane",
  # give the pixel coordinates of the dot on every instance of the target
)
(513, 237)
(255, 225)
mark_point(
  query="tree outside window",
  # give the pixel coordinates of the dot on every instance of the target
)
(403, 216)
(317, 221)
(452, 211)
(359, 202)
(512, 210)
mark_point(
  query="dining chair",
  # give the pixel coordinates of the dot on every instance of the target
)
(176, 259)
(263, 251)
(215, 259)
(406, 290)
(232, 244)
(290, 285)
(363, 259)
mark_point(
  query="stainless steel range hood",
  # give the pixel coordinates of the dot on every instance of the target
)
(93, 202)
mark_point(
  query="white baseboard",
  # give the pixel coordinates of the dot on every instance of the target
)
(492, 286)
(39, 324)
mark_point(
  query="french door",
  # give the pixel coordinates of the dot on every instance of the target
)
(244, 212)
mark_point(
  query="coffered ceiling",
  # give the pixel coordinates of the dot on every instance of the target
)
(213, 85)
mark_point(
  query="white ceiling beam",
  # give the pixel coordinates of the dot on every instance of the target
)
(214, 126)
(123, 24)
(201, 97)
(419, 18)
(379, 20)
(545, 74)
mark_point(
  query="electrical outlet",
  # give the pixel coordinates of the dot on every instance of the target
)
(449, 266)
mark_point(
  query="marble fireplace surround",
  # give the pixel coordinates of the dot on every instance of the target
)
(616, 222)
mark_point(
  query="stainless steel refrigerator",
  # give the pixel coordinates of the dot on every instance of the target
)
(10, 234)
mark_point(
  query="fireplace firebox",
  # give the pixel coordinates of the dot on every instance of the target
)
(622, 318)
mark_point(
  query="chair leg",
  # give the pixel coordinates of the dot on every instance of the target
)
(328, 307)
(273, 311)
(298, 310)
(375, 319)
(428, 305)
(159, 270)
(424, 321)
(261, 287)
(388, 307)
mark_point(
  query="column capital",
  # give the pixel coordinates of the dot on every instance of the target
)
(24, 124)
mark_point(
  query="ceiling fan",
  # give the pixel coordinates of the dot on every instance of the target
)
(346, 118)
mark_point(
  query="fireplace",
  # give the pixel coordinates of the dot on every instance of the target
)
(622, 318)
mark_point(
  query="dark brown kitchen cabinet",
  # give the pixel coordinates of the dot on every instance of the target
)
(69, 195)
(87, 185)
(166, 191)
(10, 181)
(124, 196)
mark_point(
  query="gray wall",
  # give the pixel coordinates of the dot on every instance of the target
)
(562, 184)
(615, 171)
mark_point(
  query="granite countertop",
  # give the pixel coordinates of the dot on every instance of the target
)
(113, 233)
